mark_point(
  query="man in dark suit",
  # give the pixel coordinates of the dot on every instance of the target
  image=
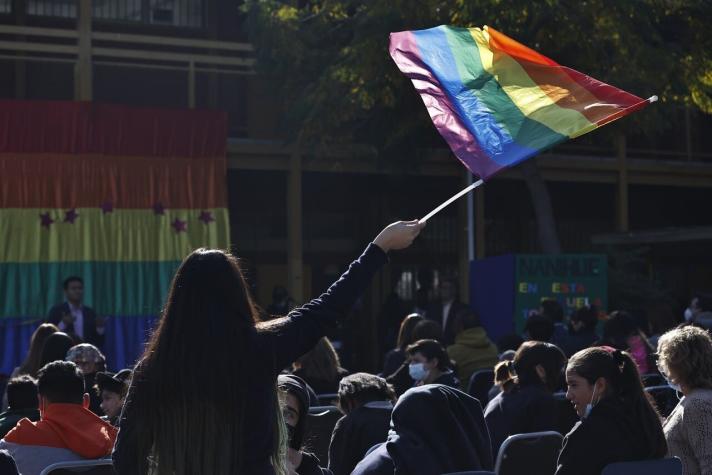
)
(76, 319)
(448, 311)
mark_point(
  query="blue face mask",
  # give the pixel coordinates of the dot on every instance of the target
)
(589, 406)
(417, 371)
(688, 314)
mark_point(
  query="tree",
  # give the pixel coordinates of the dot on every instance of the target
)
(330, 58)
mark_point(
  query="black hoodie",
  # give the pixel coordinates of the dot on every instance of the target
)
(435, 429)
(609, 434)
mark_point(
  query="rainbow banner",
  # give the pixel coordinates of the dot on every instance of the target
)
(113, 194)
(497, 102)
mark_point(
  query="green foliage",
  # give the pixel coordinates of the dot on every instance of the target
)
(330, 57)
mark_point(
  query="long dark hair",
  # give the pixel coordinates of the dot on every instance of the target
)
(189, 388)
(55, 348)
(626, 387)
(521, 371)
(405, 334)
(321, 363)
(34, 356)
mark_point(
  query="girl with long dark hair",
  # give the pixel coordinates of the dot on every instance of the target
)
(395, 357)
(203, 399)
(619, 421)
(526, 403)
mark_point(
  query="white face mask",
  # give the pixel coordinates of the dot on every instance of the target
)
(676, 387)
(688, 314)
(589, 406)
(417, 371)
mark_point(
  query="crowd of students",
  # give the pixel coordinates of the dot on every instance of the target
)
(241, 404)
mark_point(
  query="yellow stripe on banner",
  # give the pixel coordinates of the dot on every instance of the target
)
(526, 94)
(42, 235)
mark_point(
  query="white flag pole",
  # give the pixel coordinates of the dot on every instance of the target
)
(449, 201)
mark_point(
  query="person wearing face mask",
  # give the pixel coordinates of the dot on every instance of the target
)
(429, 364)
(526, 403)
(619, 421)
(685, 360)
(295, 396)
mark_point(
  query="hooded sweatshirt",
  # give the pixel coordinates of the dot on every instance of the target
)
(66, 432)
(435, 429)
(472, 351)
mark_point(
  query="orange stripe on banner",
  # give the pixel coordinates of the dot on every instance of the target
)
(570, 89)
(553, 79)
(94, 181)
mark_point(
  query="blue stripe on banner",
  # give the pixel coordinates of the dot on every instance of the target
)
(494, 139)
(125, 340)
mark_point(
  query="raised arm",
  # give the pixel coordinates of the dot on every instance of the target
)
(298, 332)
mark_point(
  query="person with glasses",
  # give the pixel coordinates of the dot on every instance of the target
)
(685, 361)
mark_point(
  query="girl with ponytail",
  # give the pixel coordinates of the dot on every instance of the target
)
(619, 420)
(526, 403)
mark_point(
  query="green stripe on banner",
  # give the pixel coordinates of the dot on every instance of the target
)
(28, 290)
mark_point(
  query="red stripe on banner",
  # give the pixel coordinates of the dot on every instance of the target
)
(83, 127)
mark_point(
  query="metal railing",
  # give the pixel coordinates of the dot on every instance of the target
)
(179, 13)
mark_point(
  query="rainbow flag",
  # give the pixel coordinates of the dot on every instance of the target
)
(116, 195)
(497, 102)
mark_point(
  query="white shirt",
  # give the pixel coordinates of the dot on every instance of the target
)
(78, 315)
(446, 312)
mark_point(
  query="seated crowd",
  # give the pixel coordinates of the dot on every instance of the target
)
(263, 409)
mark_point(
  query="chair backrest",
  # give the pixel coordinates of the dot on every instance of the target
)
(653, 379)
(670, 466)
(566, 417)
(665, 398)
(480, 383)
(533, 454)
(85, 467)
(320, 424)
(327, 399)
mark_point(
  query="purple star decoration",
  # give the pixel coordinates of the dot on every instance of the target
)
(206, 217)
(70, 216)
(158, 208)
(107, 207)
(46, 220)
(179, 226)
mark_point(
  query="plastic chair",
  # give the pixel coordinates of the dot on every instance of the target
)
(566, 417)
(671, 466)
(653, 379)
(480, 383)
(665, 398)
(327, 399)
(320, 424)
(85, 467)
(534, 454)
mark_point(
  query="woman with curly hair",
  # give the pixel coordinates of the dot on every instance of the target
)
(685, 360)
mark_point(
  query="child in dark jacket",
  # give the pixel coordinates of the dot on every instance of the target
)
(295, 404)
(619, 421)
(367, 402)
(435, 429)
(526, 403)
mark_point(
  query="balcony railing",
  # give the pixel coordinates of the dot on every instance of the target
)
(179, 13)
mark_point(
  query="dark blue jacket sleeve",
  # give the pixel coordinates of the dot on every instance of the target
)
(297, 333)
